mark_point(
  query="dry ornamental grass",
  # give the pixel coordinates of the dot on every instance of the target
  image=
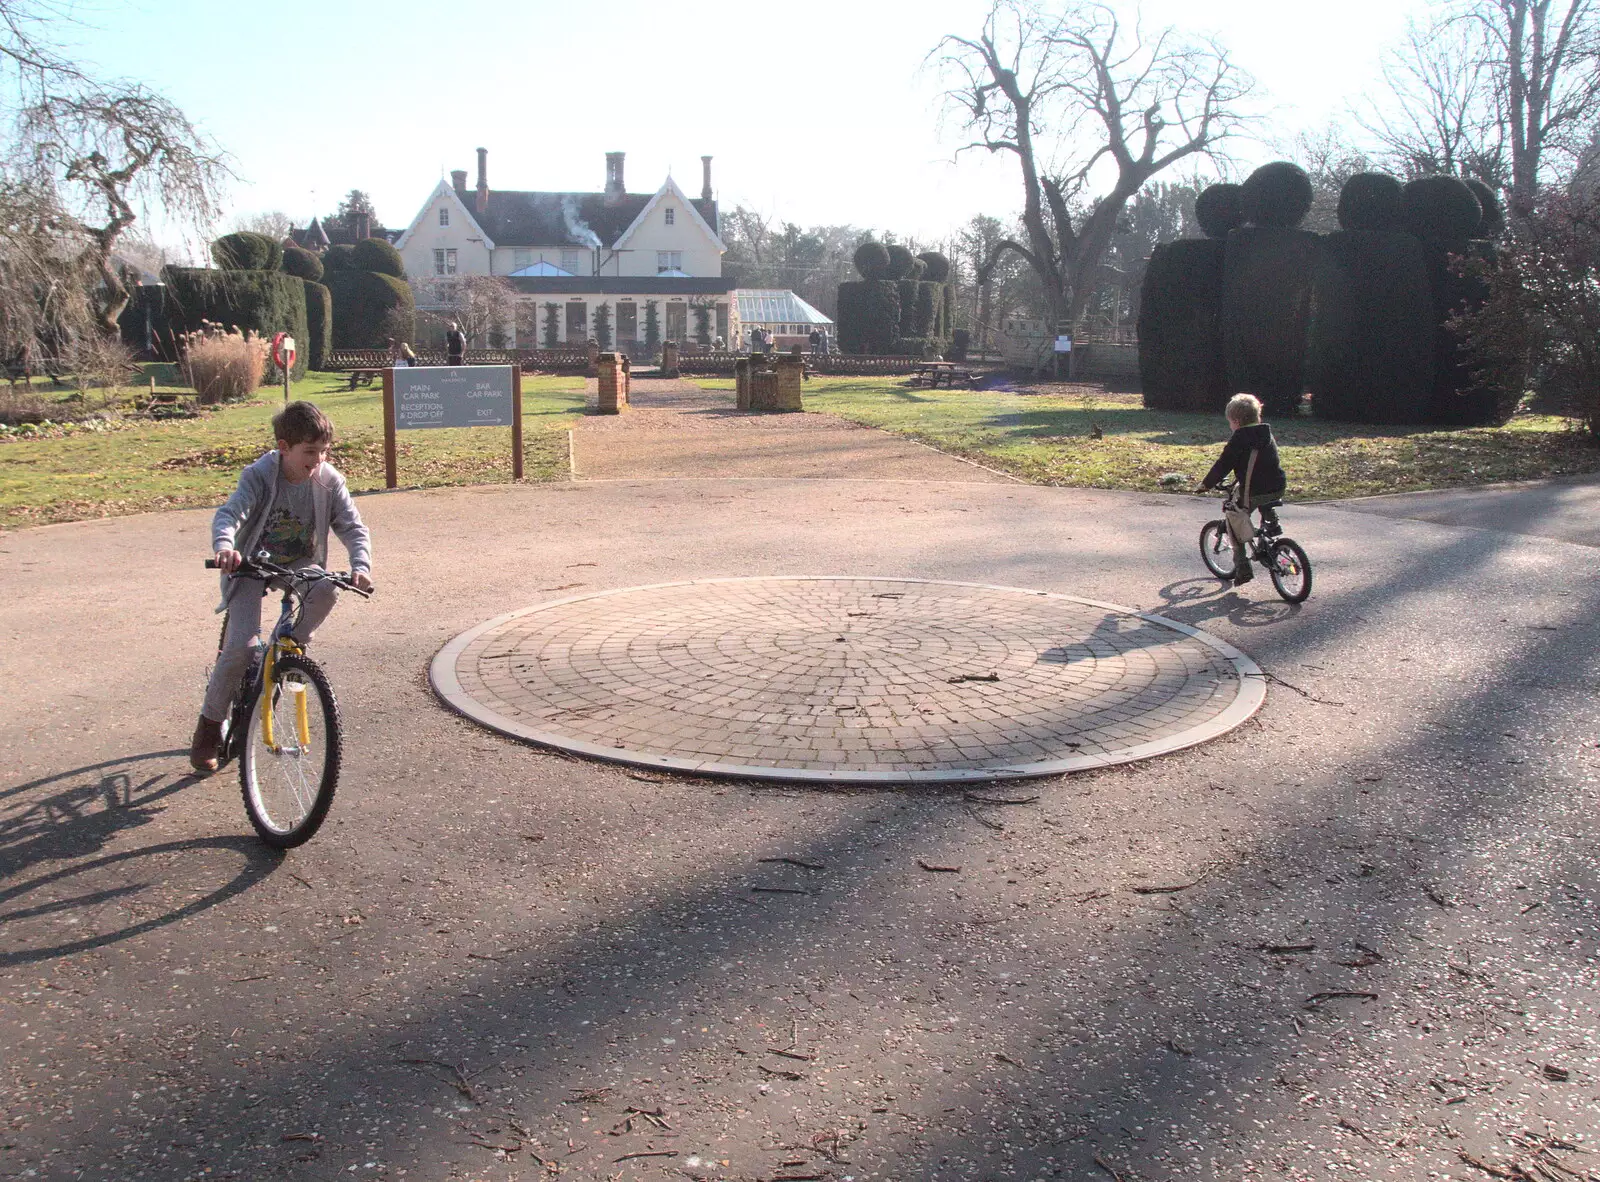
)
(224, 367)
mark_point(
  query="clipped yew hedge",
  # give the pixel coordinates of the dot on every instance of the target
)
(318, 341)
(369, 307)
(264, 302)
(869, 316)
(247, 251)
(1180, 327)
(301, 263)
(1370, 352)
(1266, 309)
(375, 254)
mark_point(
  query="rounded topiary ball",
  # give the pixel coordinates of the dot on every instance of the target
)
(1440, 209)
(938, 267)
(900, 261)
(872, 260)
(1218, 209)
(1277, 194)
(302, 263)
(1370, 201)
(1493, 222)
(339, 258)
(374, 254)
(246, 251)
(918, 269)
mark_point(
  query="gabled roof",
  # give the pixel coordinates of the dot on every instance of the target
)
(622, 285)
(518, 217)
(448, 190)
(670, 189)
(539, 270)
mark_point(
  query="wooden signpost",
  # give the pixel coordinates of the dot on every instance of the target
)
(415, 397)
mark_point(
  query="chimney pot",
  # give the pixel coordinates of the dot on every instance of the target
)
(705, 185)
(458, 179)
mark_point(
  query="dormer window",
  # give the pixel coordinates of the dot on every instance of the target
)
(671, 215)
(444, 216)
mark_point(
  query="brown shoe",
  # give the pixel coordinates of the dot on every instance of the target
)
(205, 744)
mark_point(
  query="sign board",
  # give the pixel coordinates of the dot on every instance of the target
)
(1063, 344)
(452, 396)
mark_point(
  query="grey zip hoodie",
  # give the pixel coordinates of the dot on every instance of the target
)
(238, 524)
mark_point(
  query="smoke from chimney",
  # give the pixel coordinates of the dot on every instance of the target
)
(705, 185)
(458, 179)
(483, 180)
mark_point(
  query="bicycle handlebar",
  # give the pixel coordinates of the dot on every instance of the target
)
(260, 567)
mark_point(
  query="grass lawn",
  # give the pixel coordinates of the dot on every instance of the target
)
(1046, 438)
(139, 465)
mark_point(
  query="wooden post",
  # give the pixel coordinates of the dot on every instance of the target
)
(516, 421)
(390, 460)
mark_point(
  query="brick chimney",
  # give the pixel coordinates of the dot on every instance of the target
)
(615, 189)
(705, 185)
(458, 179)
(483, 181)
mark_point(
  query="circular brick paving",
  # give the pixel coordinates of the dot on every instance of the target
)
(848, 679)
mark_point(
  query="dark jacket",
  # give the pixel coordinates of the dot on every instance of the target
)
(455, 343)
(1267, 476)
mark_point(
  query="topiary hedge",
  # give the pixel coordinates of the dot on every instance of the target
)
(301, 263)
(1266, 308)
(872, 260)
(1277, 194)
(869, 316)
(375, 254)
(369, 307)
(1493, 222)
(925, 323)
(1219, 209)
(265, 302)
(319, 325)
(1180, 327)
(900, 262)
(1455, 402)
(1371, 201)
(247, 251)
(339, 258)
(927, 348)
(908, 308)
(936, 268)
(1440, 209)
(1370, 351)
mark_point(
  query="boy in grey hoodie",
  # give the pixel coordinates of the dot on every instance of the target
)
(285, 504)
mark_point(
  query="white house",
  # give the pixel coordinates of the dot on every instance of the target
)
(566, 254)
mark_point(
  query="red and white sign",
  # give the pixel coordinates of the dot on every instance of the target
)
(283, 350)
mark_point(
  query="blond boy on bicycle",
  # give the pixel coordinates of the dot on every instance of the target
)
(1251, 455)
(285, 504)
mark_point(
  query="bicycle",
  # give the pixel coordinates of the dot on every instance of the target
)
(1285, 560)
(289, 747)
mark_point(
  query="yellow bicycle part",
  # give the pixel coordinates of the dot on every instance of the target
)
(302, 719)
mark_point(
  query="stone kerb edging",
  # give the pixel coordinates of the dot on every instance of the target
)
(445, 675)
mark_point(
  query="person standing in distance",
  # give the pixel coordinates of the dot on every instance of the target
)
(455, 344)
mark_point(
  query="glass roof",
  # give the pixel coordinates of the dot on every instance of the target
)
(772, 306)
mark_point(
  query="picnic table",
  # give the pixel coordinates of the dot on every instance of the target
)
(365, 374)
(932, 373)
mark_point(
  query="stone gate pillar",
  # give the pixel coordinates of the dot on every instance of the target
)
(613, 384)
(741, 383)
(669, 359)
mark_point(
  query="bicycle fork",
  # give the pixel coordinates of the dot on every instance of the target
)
(302, 718)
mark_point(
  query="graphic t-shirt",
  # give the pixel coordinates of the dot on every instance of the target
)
(291, 524)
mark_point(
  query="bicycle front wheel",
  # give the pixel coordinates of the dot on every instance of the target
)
(291, 751)
(1216, 549)
(1290, 570)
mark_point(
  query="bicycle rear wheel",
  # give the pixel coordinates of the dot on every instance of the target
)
(288, 783)
(1216, 549)
(1290, 570)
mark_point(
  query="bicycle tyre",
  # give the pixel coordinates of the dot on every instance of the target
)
(1216, 549)
(1290, 570)
(288, 792)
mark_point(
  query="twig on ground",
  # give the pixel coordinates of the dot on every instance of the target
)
(800, 862)
(1316, 1000)
(1285, 949)
(973, 677)
(780, 890)
(1099, 1161)
(779, 1072)
(646, 1153)
(974, 798)
(935, 869)
(1166, 890)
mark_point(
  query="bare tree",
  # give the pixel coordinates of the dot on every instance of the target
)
(481, 304)
(274, 223)
(1075, 97)
(1502, 90)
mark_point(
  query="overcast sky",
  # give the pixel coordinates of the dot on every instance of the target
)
(825, 117)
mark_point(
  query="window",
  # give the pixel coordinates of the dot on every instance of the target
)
(521, 259)
(444, 216)
(627, 320)
(444, 262)
(571, 262)
(669, 260)
(671, 214)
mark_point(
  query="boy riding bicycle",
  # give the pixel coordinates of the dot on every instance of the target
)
(1251, 456)
(285, 504)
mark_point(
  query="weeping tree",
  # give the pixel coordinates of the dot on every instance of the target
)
(1067, 90)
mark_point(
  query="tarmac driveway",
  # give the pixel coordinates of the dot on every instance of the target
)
(1354, 939)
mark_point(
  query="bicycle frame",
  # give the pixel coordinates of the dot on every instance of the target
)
(281, 642)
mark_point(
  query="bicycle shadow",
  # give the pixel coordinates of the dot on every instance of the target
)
(1193, 601)
(87, 807)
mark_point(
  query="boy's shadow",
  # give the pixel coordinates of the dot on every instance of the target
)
(1194, 601)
